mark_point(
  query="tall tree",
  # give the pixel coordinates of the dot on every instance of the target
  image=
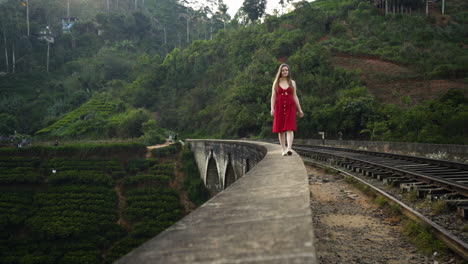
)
(222, 12)
(254, 9)
(27, 14)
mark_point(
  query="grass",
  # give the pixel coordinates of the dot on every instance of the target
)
(423, 238)
(380, 200)
(438, 207)
(330, 171)
(412, 196)
(465, 228)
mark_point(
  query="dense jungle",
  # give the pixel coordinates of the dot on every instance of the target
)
(133, 69)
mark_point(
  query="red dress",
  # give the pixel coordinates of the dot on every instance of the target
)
(285, 111)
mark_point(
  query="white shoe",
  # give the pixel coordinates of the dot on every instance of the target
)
(284, 153)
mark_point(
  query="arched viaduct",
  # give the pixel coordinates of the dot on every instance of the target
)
(260, 211)
(221, 163)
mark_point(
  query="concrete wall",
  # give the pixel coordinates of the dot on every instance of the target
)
(457, 153)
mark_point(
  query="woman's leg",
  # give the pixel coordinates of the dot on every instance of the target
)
(290, 138)
(282, 142)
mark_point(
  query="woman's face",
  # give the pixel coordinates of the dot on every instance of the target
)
(284, 71)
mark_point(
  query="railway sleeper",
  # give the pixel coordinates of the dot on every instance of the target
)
(349, 166)
(412, 186)
(373, 173)
(455, 173)
(343, 163)
(437, 195)
(394, 180)
(382, 176)
(454, 204)
(453, 177)
(365, 170)
(463, 211)
(398, 183)
(357, 168)
(423, 192)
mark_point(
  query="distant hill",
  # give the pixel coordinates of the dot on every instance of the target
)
(389, 82)
(360, 72)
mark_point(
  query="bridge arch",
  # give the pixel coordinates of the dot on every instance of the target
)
(230, 174)
(212, 176)
(247, 166)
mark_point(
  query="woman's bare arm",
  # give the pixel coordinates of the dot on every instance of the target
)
(296, 99)
(273, 99)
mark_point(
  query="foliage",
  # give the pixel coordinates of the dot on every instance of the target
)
(423, 238)
(197, 192)
(254, 9)
(131, 74)
(158, 179)
(78, 150)
(71, 208)
(437, 121)
(8, 124)
(153, 204)
(152, 133)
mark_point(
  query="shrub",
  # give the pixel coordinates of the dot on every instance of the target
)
(197, 191)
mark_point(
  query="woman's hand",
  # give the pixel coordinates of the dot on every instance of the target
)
(301, 114)
(272, 112)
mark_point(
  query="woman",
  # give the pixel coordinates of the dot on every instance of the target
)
(284, 103)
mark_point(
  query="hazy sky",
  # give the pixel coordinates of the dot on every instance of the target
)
(234, 5)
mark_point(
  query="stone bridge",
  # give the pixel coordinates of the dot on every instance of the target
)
(221, 163)
(260, 211)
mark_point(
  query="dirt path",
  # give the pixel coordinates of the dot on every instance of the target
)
(149, 148)
(349, 228)
(121, 208)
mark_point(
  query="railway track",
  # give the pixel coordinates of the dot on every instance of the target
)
(430, 179)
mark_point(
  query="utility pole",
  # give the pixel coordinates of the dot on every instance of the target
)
(14, 60)
(49, 38)
(27, 14)
(386, 7)
(6, 50)
(48, 53)
(443, 7)
(188, 29)
(68, 9)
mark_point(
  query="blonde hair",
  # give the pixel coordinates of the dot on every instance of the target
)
(278, 76)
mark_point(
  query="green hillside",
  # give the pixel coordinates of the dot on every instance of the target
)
(89, 203)
(359, 71)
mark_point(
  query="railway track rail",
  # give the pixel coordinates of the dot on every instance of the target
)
(431, 179)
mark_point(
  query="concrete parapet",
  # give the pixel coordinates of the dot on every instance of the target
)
(263, 217)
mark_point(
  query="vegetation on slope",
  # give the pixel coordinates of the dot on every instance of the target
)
(220, 87)
(67, 210)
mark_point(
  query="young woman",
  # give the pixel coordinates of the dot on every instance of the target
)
(284, 103)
